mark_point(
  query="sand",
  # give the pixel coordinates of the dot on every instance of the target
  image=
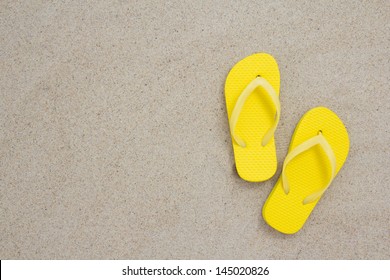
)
(114, 139)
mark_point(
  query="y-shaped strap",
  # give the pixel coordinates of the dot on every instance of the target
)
(257, 82)
(316, 140)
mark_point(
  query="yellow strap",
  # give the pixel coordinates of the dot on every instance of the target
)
(316, 140)
(257, 82)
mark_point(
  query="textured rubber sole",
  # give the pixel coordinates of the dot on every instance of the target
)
(254, 163)
(308, 172)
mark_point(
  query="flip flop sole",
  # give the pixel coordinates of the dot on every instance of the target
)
(254, 163)
(308, 172)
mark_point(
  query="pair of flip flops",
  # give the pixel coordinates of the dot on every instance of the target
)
(318, 148)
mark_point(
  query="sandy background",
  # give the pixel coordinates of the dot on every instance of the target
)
(114, 138)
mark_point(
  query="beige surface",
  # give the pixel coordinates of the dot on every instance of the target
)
(114, 134)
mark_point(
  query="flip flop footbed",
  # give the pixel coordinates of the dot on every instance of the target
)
(254, 163)
(308, 172)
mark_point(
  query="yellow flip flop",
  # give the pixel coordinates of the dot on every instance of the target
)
(318, 149)
(252, 101)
